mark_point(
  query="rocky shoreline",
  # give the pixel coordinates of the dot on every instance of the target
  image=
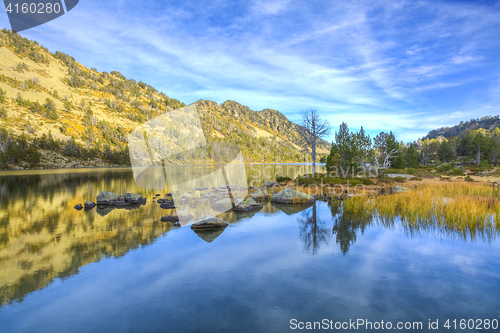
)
(224, 198)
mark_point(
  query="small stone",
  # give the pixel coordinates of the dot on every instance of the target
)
(79, 207)
(201, 188)
(89, 204)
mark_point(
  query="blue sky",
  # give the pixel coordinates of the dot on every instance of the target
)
(406, 66)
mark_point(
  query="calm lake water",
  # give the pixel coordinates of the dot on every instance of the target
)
(63, 270)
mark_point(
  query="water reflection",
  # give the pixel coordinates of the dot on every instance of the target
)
(43, 238)
(347, 224)
(314, 232)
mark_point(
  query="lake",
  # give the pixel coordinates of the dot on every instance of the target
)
(63, 270)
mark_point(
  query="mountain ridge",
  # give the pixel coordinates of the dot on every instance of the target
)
(459, 130)
(48, 96)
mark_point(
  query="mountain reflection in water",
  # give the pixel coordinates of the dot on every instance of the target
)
(43, 239)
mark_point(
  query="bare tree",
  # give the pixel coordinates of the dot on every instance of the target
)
(315, 128)
(385, 158)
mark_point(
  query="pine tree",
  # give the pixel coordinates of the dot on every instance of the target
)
(411, 157)
(445, 152)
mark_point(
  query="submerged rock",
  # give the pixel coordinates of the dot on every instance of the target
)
(247, 205)
(89, 204)
(291, 196)
(259, 195)
(208, 222)
(79, 207)
(185, 217)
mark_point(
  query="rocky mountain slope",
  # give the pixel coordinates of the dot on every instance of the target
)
(65, 114)
(488, 123)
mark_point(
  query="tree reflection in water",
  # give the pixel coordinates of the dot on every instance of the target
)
(346, 225)
(314, 232)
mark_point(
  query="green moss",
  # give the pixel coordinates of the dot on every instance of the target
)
(400, 179)
(280, 179)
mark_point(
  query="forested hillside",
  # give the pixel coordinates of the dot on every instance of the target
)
(54, 112)
(488, 123)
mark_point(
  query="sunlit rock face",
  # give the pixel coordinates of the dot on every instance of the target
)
(159, 146)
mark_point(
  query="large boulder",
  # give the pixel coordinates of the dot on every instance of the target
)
(291, 196)
(106, 197)
(246, 205)
(259, 195)
(208, 222)
(110, 198)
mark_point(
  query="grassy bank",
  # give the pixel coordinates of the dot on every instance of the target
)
(467, 208)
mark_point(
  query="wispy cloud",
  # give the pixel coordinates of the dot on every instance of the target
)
(407, 66)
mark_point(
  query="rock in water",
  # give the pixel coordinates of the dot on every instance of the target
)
(271, 184)
(247, 205)
(201, 188)
(223, 205)
(259, 195)
(208, 222)
(164, 200)
(291, 196)
(110, 198)
(166, 203)
(105, 197)
(89, 204)
(133, 198)
(79, 207)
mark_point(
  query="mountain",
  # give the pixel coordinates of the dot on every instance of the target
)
(488, 123)
(55, 112)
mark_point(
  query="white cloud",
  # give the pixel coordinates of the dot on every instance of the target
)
(378, 64)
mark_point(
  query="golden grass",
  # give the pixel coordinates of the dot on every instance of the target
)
(464, 208)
